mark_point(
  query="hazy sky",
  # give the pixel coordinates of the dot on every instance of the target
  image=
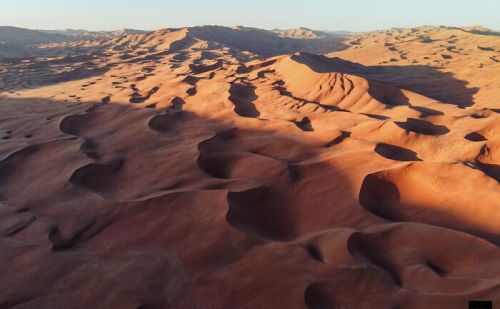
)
(358, 15)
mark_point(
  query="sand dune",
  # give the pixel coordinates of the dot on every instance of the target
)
(17, 35)
(302, 33)
(450, 64)
(194, 167)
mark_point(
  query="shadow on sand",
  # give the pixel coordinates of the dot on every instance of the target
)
(148, 208)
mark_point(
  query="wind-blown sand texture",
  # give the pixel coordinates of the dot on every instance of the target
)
(214, 167)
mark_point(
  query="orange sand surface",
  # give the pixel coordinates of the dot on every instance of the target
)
(214, 167)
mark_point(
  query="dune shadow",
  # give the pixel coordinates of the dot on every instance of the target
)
(428, 81)
(242, 96)
(492, 170)
(304, 124)
(422, 127)
(475, 137)
(396, 153)
(478, 31)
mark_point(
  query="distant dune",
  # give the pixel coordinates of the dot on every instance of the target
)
(26, 36)
(301, 33)
(94, 35)
(218, 167)
(15, 35)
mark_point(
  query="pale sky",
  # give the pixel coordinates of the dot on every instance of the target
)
(359, 15)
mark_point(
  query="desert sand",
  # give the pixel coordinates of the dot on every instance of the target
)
(214, 167)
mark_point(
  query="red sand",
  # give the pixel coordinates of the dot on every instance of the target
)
(181, 169)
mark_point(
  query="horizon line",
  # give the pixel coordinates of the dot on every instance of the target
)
(243, 26)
